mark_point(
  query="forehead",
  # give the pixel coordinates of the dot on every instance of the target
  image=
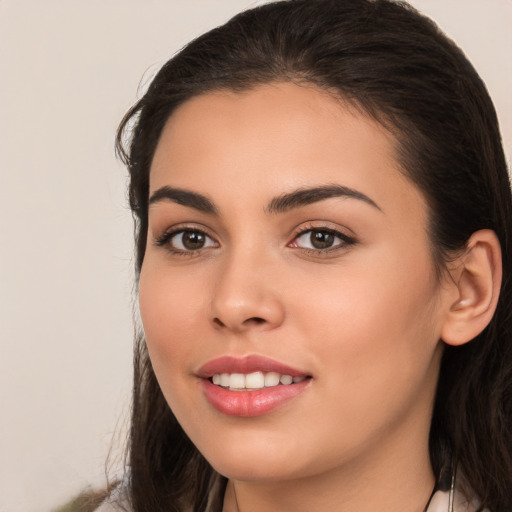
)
(275, 138)
(274, 108)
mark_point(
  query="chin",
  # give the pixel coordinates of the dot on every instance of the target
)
(257, 462)
(255, 472)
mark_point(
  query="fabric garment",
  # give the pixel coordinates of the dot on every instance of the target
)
(442, 502)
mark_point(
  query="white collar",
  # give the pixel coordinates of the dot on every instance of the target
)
(453, 501)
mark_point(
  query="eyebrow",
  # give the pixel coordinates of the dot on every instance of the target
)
(280, 204)
(183, 197)
(306, 196)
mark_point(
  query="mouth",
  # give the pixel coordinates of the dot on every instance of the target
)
(251, 386)
(255, 380)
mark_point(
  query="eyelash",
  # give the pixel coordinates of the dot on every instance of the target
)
(345, 241)
(165, 241)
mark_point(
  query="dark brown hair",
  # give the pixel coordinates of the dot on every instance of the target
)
(394, 65)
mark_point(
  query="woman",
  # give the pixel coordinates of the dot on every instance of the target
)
(323, 222)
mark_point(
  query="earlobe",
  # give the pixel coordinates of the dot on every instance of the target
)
(474, 290)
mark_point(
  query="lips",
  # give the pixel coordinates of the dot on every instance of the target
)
(245, 365)
(236, 399)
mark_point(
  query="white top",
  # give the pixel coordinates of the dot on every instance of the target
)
(443, 502)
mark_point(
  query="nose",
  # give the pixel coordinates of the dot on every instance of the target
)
(246, 296)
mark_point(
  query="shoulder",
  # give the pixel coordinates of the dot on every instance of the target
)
(109, 506)
(444, 501)
(117, 502)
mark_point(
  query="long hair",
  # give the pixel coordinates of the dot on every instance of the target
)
(395, 66)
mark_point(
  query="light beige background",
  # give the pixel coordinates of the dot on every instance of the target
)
(69, 69)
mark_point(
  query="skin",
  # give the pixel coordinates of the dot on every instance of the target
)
(364, 319)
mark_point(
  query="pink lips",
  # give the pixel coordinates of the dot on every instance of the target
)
(249, 403)
(249, 364)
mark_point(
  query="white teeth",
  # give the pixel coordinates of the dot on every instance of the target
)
(255, 380)
(286, 379)
(271, 379)
(237, 381)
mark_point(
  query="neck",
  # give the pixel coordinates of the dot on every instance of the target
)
(384, 482)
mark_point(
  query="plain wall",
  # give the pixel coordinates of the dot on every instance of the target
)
(69, 70)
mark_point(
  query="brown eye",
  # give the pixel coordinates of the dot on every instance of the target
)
(193, 240)
(321, 240)
(190, 240)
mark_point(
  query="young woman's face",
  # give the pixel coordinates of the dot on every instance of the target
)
(285, 243)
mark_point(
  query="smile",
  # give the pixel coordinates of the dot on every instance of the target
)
(250, 386)
(252, 381)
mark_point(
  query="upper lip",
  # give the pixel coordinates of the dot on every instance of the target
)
(247, 364)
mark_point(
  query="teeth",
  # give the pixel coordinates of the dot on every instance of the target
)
(271, 379)
(237, 381)
(255, 380)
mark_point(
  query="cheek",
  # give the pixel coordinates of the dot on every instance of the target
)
(170, 310)
(374, 342)
(172, 315)
(375, 321)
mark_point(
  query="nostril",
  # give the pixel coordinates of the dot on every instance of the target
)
(240, 322)
(218, 322)
(255, 320)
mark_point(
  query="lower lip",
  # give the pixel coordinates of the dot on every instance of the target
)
(251, 403)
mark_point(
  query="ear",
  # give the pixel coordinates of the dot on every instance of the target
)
(474, 289)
